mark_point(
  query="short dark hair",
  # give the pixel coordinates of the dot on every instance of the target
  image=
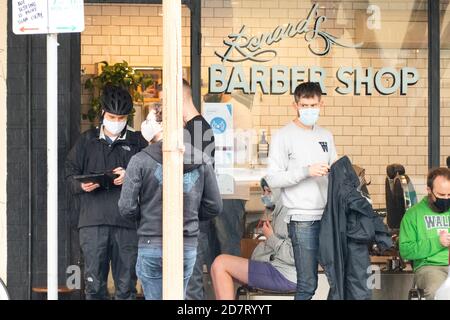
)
(307, 90)
(437, 172)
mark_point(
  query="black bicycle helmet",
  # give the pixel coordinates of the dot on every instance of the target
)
(116, 100)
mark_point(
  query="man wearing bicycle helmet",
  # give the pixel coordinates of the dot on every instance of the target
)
(105, 237)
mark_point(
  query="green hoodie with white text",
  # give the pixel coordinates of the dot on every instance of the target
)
(419, 235)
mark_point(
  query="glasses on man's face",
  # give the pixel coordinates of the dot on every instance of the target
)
(304, 105)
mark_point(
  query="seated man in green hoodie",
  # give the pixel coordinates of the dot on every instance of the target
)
(424, 236)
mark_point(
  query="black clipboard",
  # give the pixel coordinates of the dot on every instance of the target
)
(105, 180)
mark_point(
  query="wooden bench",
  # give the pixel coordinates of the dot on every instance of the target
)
(43, 291)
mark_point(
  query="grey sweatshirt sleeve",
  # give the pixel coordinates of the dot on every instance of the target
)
(278, 175)
(129, 196)
(211, 204)
(281, 247)
(280, 242)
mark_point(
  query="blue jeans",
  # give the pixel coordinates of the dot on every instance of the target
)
(305, 244)
(149, 269)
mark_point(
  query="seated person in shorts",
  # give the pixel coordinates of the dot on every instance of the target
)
(271, 266)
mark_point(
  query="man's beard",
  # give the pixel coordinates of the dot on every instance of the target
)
(432, 205)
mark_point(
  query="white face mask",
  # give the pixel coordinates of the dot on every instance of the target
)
(114, 127)
(150, 127)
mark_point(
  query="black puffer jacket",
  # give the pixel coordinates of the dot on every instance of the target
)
(92, 154)
(348, 227)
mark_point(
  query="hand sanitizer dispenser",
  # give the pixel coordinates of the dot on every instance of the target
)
(263, 148)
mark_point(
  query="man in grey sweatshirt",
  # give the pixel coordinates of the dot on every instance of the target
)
(300, 157)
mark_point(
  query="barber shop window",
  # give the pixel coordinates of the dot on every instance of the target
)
(127, 39)
(445, 83)
(369, 57)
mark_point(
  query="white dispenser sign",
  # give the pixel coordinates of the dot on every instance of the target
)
(220, 118)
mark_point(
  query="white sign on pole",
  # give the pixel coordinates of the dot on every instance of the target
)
(47, 16)
(65, 16)
(30, 16)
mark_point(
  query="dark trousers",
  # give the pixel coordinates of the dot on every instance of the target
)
(220, 235)
(357, 271)
(102, 245)
(229, 228)
(195, 289)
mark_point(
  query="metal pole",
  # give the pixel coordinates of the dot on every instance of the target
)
(52, 166)
(196, 53)
(30, 169)
(434, 98)
(172, 157)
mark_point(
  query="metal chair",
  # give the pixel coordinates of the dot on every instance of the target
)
(249, 292)
(415, 293)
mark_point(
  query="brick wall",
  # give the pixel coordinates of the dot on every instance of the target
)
(125, 32)
(373, 130)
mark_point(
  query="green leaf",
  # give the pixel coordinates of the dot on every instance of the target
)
(89, 84)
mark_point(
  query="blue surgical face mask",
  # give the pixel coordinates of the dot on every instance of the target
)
(309, 116)
(267, 201)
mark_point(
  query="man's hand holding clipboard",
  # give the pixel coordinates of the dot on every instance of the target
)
(91, 182)
(89, 186)
(121, 176)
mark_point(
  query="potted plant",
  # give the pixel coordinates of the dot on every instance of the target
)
(119, 74)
